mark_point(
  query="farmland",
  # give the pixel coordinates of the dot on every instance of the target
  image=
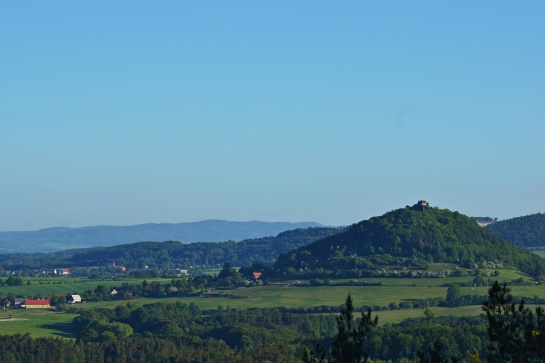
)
(289, 294)
(56, 286)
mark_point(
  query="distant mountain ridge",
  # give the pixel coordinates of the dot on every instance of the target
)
(172, 254)
(64, 238)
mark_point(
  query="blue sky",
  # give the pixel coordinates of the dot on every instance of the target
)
(132, 112)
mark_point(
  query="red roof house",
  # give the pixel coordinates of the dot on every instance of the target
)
(257, 275)
(37, 304)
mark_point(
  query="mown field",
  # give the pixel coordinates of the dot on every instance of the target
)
(37, 322)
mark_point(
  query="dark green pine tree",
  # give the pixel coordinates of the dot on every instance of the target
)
(436, 353)
(516, 334)
(349, 344)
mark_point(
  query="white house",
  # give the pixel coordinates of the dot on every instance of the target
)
(73, 299)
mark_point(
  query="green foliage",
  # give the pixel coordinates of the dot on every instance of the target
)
(436, 353)
(516, 333)
(14, 281)
(23, 348)
(527, 231)
(406, 239)
(349, 343)
(454, 295)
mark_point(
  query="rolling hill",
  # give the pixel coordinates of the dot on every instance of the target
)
(526, 231)
(408, 239)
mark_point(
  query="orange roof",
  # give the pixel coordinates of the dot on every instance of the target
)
(257, 275)
(36, 302)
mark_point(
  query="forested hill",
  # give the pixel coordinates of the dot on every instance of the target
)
(408, 238)
(61, 238)
(527, 231)
(163, 255)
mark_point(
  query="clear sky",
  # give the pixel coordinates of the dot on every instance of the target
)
(127, 112)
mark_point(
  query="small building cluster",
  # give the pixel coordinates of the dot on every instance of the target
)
(22, 303)
(56, 272)
(119, 268)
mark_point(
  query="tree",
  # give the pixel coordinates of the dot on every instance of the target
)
(227, 271)
(14, 281)
(429, 315)
(516, 334)
(453, 295)
(229, 276)
(11, 298)
(349, 344)
(473, 356)
(436, 352)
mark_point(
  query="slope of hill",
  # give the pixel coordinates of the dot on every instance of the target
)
(527, 231)
(62, 238)
(161, 255)
(408, 238)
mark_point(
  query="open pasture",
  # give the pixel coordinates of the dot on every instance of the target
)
(303, 297)
(37, 322)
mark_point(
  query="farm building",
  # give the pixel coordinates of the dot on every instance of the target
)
(37, 304)
(72, 299)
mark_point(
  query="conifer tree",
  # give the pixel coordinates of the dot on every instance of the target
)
(349, 344)
(516, 333)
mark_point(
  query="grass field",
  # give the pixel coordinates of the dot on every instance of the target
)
(37, 322)
(299, 297)
(51, 286)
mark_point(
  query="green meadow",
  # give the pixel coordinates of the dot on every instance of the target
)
(37, 322)
(57, 286)
(291, 296)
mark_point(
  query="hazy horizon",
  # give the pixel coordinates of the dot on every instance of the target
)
(138, 112)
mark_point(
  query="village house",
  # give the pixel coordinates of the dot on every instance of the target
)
(257, 275)
(64, 272)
